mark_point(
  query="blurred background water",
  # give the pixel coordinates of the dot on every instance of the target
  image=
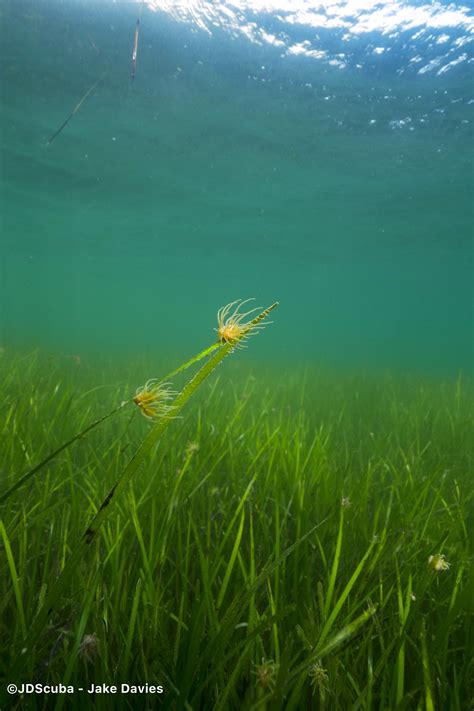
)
(319, 154)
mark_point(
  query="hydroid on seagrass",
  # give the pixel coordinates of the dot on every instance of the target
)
(231, 327)
(162, 393)
(154, 397)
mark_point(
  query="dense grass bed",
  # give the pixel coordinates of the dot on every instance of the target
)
(286, 546)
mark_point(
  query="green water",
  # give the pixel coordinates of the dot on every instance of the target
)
(224, 172)
(293, 530)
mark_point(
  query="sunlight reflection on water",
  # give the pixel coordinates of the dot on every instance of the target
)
(430, 37)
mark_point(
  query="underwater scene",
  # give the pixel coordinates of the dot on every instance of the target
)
(236, 355)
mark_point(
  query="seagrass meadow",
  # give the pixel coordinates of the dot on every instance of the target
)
(294, 540)
(236, 355)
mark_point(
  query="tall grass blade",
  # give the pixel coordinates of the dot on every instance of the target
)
(104, 510)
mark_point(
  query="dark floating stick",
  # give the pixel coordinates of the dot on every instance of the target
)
(135, 44)
(74, 111)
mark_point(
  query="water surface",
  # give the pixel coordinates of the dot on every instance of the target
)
(320, 155)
